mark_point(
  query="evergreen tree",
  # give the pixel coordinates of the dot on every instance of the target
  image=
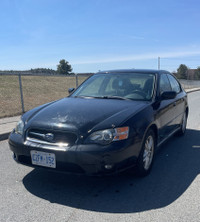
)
(182, 71)
(64, 67)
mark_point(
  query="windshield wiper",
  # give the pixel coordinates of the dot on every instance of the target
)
(83, 96)
(111, 97)
(103, 97)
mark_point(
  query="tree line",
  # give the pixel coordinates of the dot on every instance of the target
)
(63, 68)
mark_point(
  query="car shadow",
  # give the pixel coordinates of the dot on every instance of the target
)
(176, 165)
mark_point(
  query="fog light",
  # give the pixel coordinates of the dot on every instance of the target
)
(108, 166)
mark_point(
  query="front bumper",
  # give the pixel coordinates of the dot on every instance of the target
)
(91, 159)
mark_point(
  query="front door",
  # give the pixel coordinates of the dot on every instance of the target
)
(165, 110)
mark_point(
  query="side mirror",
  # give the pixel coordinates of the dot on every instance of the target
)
(168, 95)
(70, 90)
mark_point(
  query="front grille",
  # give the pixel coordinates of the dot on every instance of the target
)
(51, 137)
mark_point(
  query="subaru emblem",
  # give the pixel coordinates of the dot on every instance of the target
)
(49, 137)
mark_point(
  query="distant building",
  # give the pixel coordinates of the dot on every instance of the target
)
(191, 74)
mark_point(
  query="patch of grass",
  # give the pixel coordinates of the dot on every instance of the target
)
(37, 90)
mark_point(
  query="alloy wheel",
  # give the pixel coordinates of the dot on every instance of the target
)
(148, 152)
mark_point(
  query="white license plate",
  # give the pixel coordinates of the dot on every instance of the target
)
(43, 159)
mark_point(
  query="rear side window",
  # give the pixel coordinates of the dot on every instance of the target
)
(164, 84)
(174, 84)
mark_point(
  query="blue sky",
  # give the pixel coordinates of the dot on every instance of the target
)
(99, 34)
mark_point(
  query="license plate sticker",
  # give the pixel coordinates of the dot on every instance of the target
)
(43, 159)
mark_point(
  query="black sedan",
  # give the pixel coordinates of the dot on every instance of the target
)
(113, 121)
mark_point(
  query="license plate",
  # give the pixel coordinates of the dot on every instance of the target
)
(43, 159)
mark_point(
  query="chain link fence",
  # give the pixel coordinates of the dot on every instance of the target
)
(20, 93)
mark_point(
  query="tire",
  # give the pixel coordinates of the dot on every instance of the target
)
(146, 157)
(182, 130)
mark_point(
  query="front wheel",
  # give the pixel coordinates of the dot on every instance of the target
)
(183, 125)
(145, 160)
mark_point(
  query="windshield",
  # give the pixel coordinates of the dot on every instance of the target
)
(135, 86)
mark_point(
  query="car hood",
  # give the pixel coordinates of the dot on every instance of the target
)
(83, 114)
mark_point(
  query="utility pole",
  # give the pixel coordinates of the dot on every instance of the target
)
(158, 63)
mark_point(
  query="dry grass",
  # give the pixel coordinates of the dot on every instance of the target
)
(37, 90)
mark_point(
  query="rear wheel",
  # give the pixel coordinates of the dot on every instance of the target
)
(146, 156)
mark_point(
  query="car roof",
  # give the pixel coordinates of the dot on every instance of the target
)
(134, 71)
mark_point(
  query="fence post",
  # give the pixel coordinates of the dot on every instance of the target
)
(21, 92)
(76, 80)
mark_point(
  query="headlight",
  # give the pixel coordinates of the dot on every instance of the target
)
(19, 127)
(105, 137)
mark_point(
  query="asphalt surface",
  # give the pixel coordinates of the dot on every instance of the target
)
(170, 193)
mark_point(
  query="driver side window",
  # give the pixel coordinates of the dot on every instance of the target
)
(164, 84)
(174, 84)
